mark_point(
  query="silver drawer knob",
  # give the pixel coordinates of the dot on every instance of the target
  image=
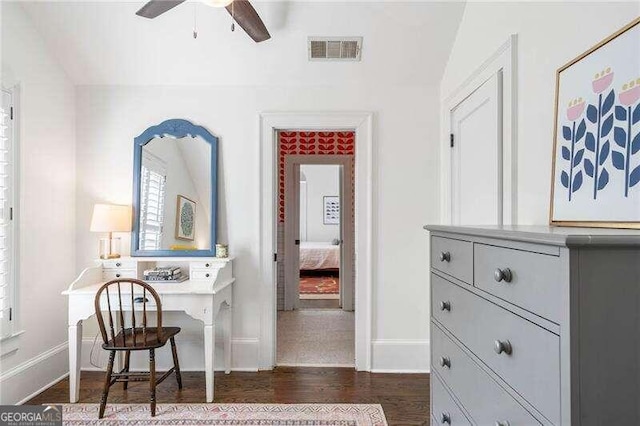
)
(445, 362)
(503, 275)
(445, 306)
(445, 256)
(502, 347)
(118, 265)
(502, 423)
(445, 418)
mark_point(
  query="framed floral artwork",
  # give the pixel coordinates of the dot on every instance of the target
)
(596, 155)
(185, 219)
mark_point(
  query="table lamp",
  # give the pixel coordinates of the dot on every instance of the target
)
(110, 218)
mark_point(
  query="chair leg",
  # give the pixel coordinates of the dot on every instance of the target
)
(176, 364)
(107, 384)
(127, 358)
(152, 380)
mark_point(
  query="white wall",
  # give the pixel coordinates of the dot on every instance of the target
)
(322, 180)
(120, 73)
(47, 206)
(549, 35)
(405, 137)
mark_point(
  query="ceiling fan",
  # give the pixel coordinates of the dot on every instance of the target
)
(241, 12)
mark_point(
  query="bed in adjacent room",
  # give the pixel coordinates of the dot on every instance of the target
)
(318, 256)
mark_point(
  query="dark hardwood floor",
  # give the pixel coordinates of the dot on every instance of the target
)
(404, 397)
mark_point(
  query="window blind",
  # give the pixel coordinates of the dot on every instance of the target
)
(7, 281)
(153, 180)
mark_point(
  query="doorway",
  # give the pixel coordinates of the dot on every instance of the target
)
(272, 124)
(319, 239)
(316, 322)
(319, 233)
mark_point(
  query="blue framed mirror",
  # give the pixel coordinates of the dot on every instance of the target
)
(175, 197)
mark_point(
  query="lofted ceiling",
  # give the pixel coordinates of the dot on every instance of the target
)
(105, 43)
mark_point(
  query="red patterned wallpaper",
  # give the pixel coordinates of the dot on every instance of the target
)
(310, 143)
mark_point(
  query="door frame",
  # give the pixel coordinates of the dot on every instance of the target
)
(504, 61)
(347, 228)
(270, 123)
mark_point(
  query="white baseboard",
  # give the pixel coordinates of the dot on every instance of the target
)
(311, 365)
(31, 377)
(244, 355)
(400, 356)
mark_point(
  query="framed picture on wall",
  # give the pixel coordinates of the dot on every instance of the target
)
(331, 210)
(185, 219)
(596, 156)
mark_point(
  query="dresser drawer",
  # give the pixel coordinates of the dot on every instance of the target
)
(444, 409)
(529, 280)
(112, 274)
(453, 257)
(486, 402)
(532, 367)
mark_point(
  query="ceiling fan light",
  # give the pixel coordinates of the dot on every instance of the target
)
(217, 3)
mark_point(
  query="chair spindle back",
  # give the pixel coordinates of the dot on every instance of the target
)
(138, 293)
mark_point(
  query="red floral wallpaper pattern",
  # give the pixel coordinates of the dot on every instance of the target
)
(310, 143)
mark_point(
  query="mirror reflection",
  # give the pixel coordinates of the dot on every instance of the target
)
(175, 194)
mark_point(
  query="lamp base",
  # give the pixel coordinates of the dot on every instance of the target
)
(109, 247)
(110, 256)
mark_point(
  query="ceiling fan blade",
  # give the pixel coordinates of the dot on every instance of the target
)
(156, 8)
(247, 17)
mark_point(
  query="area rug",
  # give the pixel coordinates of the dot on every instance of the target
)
(227, 414)
(319, 285)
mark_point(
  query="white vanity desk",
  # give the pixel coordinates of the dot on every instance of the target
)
(208, 289)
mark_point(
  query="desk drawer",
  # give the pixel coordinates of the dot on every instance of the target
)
(444, 409)
(126, 301)
(453, 257)
(529, 280)
(202, 274)
(119, 264)
(532, 367)
(486, 402)
(112, 274)
(203, 265)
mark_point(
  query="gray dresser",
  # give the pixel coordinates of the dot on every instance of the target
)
(535, 325)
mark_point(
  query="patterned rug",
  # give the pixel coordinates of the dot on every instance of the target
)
(227, 414)
(319, 285)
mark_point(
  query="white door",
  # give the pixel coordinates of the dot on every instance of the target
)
(303, 210)
(476, 156)
(292, 236)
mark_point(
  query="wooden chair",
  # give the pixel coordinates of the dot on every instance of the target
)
(140, 337)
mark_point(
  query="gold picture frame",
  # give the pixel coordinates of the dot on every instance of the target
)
(579, 106)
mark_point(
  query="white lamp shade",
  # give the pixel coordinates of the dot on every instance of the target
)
(111, 218)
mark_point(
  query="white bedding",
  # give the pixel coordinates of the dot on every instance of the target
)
(314, 255)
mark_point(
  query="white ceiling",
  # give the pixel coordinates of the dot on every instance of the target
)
(105, 43)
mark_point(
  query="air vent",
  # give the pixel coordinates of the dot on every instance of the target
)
(335, 48)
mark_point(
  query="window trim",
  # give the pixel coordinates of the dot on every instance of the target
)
(11, 342)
